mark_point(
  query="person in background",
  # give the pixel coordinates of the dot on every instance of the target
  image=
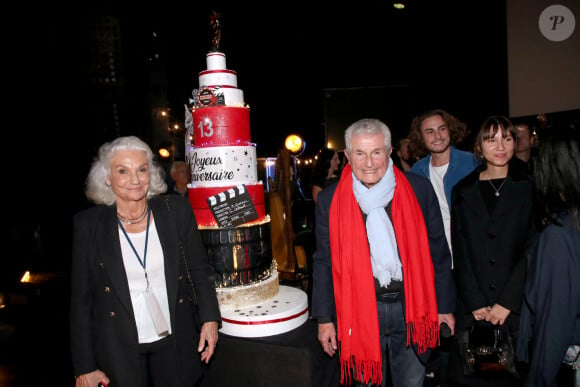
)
(132, 318)
(382, 268)
(343, 161)
(525, 144)
(295, 188)
(404, 155)
(550, 316)
(491, 226)
(180, 175)
(325, 170)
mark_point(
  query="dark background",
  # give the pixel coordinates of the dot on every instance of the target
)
(295, 63)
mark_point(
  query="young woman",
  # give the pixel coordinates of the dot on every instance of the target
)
(491, 225)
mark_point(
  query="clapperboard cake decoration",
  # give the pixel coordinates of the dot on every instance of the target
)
(232, 207)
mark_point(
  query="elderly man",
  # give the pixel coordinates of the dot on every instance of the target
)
(382, 280)
(180, 174)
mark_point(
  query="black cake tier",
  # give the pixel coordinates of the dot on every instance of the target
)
(239, 255)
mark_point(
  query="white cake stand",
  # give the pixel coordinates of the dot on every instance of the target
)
(280, 314)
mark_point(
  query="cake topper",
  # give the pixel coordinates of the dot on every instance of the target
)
(217, 30)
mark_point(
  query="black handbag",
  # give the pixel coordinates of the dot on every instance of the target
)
(489, 351)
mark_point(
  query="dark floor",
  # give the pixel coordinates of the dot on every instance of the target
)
(34, 345)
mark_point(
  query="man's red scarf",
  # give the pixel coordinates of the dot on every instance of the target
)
(354, 290)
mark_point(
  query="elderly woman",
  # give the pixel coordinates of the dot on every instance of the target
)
(144, 310)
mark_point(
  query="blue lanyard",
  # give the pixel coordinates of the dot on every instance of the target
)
(144, 261)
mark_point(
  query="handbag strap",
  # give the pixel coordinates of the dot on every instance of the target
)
(182, 254)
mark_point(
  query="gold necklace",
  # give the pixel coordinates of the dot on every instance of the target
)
(499, 188)
(138, 219)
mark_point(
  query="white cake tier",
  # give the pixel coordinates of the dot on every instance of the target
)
(219, 166)
(215, 60)
(286, 311)
(218, 78)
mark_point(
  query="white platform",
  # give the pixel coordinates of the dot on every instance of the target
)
(280, 314)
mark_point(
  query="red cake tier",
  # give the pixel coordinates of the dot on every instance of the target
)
(221, 125)
(203, 214)
(205, 218)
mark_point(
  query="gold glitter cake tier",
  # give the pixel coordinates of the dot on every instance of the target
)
(247, 295)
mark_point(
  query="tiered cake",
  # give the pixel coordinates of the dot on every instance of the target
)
(223, 163)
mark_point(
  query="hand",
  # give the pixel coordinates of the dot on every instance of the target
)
(449, 319)
(327, 338)
(91, 379)
(481, 313)
(497, 315)
(208, 340)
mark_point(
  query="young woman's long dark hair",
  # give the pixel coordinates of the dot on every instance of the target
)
(557, 173)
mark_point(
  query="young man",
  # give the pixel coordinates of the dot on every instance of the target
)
(434, 132)
(382, 268)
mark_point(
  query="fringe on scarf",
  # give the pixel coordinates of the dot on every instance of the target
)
(425, 334)
(363, 371)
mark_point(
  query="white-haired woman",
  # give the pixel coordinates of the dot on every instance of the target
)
(135, 318)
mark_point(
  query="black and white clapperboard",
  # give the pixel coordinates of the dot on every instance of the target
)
(232, 207)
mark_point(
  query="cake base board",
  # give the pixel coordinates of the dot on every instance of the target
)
(280, 314)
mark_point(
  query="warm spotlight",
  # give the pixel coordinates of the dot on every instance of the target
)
(164, 153)
(295, 144)
(25, 277)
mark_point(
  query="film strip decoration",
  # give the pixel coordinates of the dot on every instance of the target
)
(232, 207)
